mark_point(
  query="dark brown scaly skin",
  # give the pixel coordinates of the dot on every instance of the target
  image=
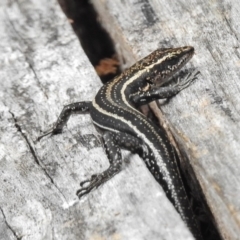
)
(114, 110)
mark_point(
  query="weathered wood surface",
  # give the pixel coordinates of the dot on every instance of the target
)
(206, 116)
(43, 68)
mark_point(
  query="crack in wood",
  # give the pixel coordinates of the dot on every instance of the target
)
(9, 226)
(34, 154)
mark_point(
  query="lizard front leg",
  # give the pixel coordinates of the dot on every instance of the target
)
(144, 97)
(68, 110)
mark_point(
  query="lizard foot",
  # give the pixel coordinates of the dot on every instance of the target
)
(94, 182)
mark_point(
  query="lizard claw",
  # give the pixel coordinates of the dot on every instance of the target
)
(94, 182)
(50, 132)
(88, 180)
(188, 79)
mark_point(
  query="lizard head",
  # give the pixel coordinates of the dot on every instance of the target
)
(163, 63)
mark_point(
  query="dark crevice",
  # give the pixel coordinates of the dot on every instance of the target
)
(197, 198)
(8, 225)
(34, 154)
(94, 39)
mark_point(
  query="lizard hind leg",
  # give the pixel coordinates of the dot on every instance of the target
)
(115, 159)
(112, 143)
